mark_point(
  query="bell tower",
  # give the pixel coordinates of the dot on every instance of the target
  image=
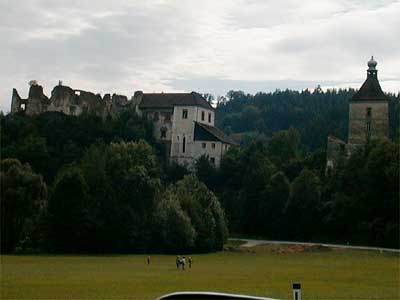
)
(368, 111)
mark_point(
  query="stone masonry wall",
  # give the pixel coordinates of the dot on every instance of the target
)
(68, 101)
(358, 121)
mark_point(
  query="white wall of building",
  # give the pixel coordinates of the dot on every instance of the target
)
(208, 113)
(183, 132)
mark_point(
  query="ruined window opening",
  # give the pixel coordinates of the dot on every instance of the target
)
(156, 116)
(213, 145)
(184, 145)
(203, 145)
(202, 115)
(167, 117)
(72, 110)
(78, 93)
(163, 131)
(368, 123)
(23, 107)
(184, 114)
(209, 117)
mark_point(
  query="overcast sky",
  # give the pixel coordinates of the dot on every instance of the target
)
(207, 46)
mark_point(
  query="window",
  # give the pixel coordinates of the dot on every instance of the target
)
(369, 112)
(163, 131)
(156, 116)
(184, 114)
(212, 160)
(203, 145)
(368, 130)
(167, 117)
(209, 117)
(184, 145)
(213, 145)
(202, 115)
(368, 122)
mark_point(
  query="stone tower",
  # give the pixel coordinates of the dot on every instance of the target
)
(368, 111)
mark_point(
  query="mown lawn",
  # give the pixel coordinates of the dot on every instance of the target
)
(336, 274)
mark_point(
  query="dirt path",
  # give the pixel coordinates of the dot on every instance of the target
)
(252, 243)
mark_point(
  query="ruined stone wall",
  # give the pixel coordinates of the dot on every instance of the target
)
(336, 152)
(68, 101)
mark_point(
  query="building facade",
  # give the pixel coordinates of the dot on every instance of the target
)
(185, 124)
(368, 118)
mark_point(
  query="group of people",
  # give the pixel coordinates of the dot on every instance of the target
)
(181, 261)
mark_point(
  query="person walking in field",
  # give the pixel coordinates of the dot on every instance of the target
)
(183, 261)
(190, 262)
(178, 262)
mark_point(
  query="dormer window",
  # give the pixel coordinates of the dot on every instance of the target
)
(184, 114)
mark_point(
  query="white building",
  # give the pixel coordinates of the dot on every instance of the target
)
(184, 123)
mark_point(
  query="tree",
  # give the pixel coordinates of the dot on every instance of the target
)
(284, 146)
(271, 209)
(68, 211)
(206, 172)
(302, 208)
(173, 230)
(23, 195)
(204, 211)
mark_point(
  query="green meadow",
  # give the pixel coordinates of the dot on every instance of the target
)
(261, 271)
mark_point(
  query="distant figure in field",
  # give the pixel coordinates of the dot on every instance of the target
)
(183, 261)
(148, 260)
(178, 262)
(190, 262)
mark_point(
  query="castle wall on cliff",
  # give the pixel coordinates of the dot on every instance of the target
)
(68, 101)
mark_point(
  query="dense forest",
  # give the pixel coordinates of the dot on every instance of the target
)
(314, 114)
(82, 184)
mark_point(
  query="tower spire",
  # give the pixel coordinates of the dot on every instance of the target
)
(372, 71)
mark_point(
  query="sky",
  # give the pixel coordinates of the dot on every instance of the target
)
(208, 46)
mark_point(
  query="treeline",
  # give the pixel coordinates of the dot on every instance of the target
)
(82, 184)
(78, 184)
(316, 114)
(272, 189)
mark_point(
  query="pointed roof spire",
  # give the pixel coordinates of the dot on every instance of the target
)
(371, 89)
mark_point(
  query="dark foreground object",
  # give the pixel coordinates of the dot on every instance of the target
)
(209, 296)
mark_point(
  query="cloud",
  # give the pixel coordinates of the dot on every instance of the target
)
(159, 45)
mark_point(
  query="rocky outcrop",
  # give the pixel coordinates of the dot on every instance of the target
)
(68, 101)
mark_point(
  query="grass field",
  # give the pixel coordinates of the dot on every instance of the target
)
(336, 274)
